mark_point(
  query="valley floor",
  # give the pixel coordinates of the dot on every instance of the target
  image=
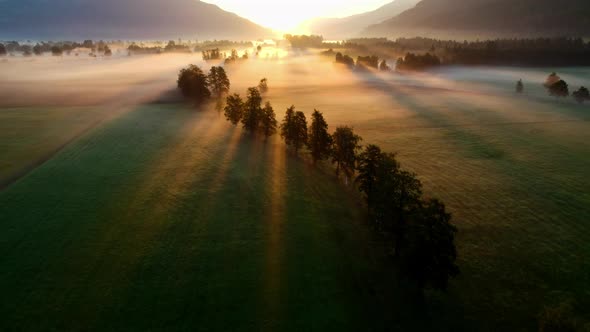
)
(123, 209)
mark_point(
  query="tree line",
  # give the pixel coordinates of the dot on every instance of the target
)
(55, 48)
(557, 87)
(522, 52)
(418, 230)
(361, 63)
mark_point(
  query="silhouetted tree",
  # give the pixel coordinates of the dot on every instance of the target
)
(56, 51)
(218, 82)
(366, 62)
(370, 165)
(551, 79)
(344, 151)
(519, 87)
(294, 129)
(383, 66)
(263, 85)
(193, 83)
(3, 50)
(38, 49)
(417, 62)
(234, 109)
(559, 89)
(345, 60)
(252, 115)
(304, 41)
(27, 50)
(212, 54)
(319, 140)
(269, 120)
(582, 95)
(429, 255)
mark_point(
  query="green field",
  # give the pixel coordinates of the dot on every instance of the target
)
(164, 217)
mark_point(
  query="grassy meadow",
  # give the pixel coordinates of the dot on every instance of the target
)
(124, 209)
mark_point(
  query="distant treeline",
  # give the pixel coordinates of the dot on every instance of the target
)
(305, 41)
(222, 44)
(361, 63)
(56, 48)
(505, 52)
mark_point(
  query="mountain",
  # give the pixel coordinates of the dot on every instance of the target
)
(351, 26)
(121, 19)
(489, 18)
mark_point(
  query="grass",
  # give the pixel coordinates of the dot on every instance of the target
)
(167, 218)
(31, 135)
(171, 219)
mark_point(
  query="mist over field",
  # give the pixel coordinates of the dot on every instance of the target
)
(106, 164)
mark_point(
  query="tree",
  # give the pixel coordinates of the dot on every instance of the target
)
(38, 49)
(319, 140)
(193, 83)
(582, 95)
(294, 129)
(344, 151)
(3, 50)
(252, 111)
(370, 171)
(551, 79)
(234, 109)
(559, 89)
(269, 120)
(107, 51)
(217, 81)
(56, 51)
(383, 66)
(263, 85)
(519, 87)
(345, 60)
(430, 254)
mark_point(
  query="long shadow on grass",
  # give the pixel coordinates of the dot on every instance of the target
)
(58, 246)
(476, 146)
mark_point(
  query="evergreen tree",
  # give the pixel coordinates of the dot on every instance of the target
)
(294, 129)
(319, 140)
(269, 121)
(3, 50)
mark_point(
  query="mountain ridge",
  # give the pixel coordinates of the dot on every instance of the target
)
(351, 26)
(490, 17)
(122, 19)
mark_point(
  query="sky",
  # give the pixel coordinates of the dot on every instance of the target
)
(286, 15)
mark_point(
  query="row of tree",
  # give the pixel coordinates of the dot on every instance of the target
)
(417, 62)
(559, 88)
(362, 62)
(525, 52)
(419, 229)
(194, 84)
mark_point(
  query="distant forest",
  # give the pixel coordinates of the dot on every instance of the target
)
(502, 52)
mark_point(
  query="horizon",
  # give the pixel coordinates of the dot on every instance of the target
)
(288, 16)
